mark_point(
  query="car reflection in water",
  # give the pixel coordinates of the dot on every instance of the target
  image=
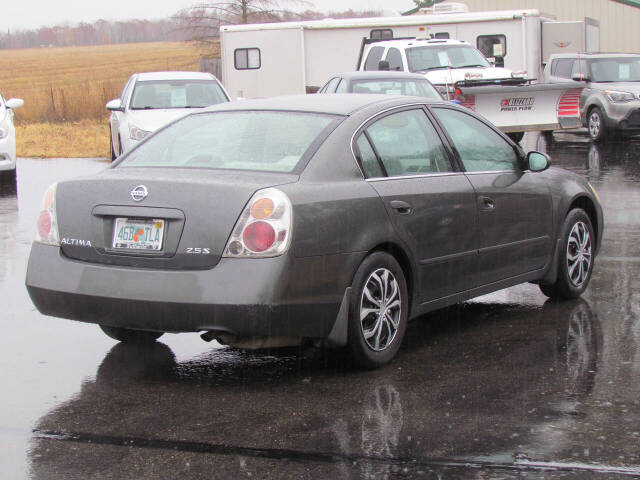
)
(480, 384)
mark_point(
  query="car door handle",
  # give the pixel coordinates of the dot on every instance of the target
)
(401, 207)
(487, 203)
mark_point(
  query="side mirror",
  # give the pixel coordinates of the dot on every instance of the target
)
(14, 103)
(580, 77)
(115, 106)
(383, 65)
(538, 161)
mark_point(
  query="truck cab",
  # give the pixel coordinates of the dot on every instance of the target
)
(442, 61)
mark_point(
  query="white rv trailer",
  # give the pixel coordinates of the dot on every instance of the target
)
(260, 60)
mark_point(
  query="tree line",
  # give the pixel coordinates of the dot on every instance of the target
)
(199, 24)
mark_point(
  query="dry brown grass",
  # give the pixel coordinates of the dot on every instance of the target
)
(85, 138)
(74, 83)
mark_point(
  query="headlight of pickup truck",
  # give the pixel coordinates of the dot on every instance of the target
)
(619, 97)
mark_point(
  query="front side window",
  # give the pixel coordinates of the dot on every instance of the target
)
(407, 144)
(374, 57)
(176, 94)
(492, 45)
(619, 69)
(247, 58)
(422, 59)
(579, 67)
(480, 148)
(241, 140)
(394, 57)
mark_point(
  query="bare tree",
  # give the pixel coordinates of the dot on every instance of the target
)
(204, 20)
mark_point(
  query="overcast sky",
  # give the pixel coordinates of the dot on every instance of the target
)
(27, 14)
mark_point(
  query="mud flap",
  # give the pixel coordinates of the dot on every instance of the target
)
(338, 336)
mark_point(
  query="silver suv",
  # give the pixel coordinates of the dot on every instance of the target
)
(610, 101)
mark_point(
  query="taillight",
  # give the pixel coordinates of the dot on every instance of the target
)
(47, 224)
(264, 227)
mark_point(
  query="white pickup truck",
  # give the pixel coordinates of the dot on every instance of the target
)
(443, 61)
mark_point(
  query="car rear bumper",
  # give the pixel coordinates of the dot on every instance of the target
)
(281, 296)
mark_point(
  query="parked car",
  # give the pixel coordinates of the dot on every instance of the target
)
(153, 99)
(442, 61)
(8, 138)
(610, 102)
(335, 218)
(386, 83)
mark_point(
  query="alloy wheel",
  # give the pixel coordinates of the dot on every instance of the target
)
(579, 254)
(594, 125)
(380, 309)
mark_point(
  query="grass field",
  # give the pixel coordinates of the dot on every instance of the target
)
(72, 84)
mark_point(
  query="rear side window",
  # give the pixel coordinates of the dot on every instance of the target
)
(374, 57)
(562, 67)
(381, 34)
(480, 148)
(368, 158)
(394, 57)
(407, 144)
(247, 58)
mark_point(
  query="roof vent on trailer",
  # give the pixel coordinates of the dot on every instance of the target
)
(449, 7)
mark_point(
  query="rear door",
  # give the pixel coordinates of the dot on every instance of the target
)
(514, 205)
(430, 203)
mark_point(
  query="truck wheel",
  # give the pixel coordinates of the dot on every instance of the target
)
(596, 125)
(126, 335)
(377, 311)
(576, 257)
(516, 136)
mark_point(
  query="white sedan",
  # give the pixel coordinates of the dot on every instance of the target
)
(8, 137)
(153, 99)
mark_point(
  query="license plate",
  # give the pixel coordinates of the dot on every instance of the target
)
(138, 234)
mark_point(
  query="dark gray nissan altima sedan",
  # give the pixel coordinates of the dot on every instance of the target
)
(333, 218)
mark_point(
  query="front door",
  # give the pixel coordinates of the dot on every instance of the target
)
(514, 205)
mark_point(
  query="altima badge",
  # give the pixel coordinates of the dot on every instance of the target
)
(139, 193)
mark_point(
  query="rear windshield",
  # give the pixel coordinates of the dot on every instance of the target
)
(621, 69)
(241, 140)
(414, 88)
(176, 94)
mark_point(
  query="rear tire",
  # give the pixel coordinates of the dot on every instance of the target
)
(377, 311)
(126, 335)
(576, 257)
(596, 126)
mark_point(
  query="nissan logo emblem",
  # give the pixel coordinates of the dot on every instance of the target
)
(139, 193)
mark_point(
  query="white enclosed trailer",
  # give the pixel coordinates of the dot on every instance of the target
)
(296, 57)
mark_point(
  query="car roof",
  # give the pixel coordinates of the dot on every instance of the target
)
(154, 76)
(336, 104)
(592, 55)
(381, 74)
(418, 42)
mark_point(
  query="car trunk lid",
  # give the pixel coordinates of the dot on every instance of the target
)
(197, 210)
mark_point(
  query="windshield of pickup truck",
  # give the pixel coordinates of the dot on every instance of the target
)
(617, 69)
(422, 59)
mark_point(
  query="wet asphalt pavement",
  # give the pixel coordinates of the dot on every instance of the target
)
(509, 385)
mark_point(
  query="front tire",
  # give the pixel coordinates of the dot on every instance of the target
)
(112, 150)
(378, 310)
(595, 123)
(126, 335)
(576, 257)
